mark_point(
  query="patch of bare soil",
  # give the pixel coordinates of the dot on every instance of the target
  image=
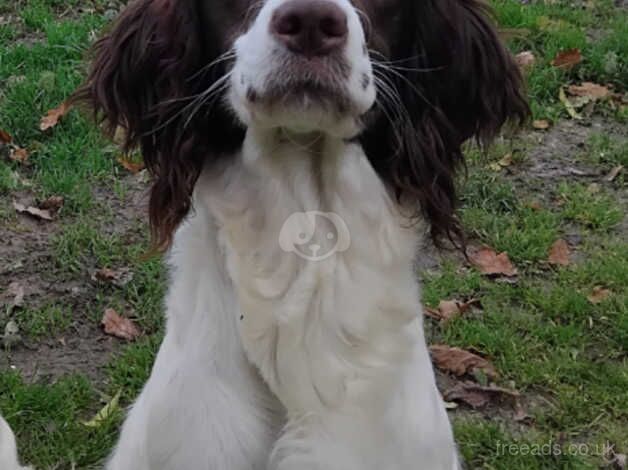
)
(26, 258)
(553, 156)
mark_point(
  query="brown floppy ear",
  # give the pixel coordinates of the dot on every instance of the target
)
(151, 76)
(456, 80)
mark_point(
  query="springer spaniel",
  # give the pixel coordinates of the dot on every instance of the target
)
(299, 150)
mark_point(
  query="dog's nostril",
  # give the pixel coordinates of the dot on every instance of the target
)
(333, 26)
(289, 25)
(310, 27)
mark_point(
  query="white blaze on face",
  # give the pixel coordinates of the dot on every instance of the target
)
(314, 235)
(262, 60)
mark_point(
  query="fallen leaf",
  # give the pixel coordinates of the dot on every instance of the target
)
(131, 166)
(34, 212)
(476, 395)
(19, 154)
(491, 263)
(11, 335)
(448, 309)
(120, 136)
(120, 327)
(620, 461)
(504, 162)
(598, 295)
(541, 124)
(431, 312)
(567, 59)
(450, 405)
(5, 137)
(460, 362)
(521, 416)
(119, 278)
(16, 291)
(107, 411)
(51, 119)
(52, 204)
(525, 59)
(534, 205)
(614, 173)
(589, 89)
(569, 106)
(559, 253)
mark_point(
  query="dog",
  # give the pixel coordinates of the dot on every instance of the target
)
(8, 449)
(300, 151)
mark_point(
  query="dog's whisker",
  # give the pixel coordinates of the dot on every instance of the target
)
(217, 87)
(227, 56)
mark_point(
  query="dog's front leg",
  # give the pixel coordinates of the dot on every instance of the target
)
(204, 407)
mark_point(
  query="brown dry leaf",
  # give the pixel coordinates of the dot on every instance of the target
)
(534, 205)
(541, 124)
(589, 89)
(16, 291)
(35, 212)
(567, 59)
(614, 173)
(521, 416)
(502, 163)
(120, 136)
(19, 154)
(131, 166)
(104, 274)
(476, 395)
(120, 277)
(598, 295)
(120, 327)
(491, 263)
(5, 137)
(52, 118)
(620, 461)
(52, 204)
(460, 362)
(525, 59)
(432, 312)
(559, 253)
(448, 309)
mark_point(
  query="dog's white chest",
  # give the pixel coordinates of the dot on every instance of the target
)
(322, 268)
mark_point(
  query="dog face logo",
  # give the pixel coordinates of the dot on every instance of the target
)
(314, 235)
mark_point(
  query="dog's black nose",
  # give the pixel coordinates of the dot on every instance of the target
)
(310, 27)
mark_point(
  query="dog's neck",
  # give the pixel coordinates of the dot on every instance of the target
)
(318, 253)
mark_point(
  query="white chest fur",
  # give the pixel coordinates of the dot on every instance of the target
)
(322, 264)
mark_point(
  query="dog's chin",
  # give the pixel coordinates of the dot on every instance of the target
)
(300, 107)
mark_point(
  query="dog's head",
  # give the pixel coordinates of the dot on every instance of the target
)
(408, 80)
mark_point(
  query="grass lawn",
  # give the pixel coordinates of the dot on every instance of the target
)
(556, 334)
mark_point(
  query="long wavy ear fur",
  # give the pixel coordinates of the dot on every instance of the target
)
(141, 80)
(456, 81)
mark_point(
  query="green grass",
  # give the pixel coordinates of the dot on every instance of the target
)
(598, 211)
(48, 421)
(549, 27)
(565, 354)
(48, 320)
(603, 150)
